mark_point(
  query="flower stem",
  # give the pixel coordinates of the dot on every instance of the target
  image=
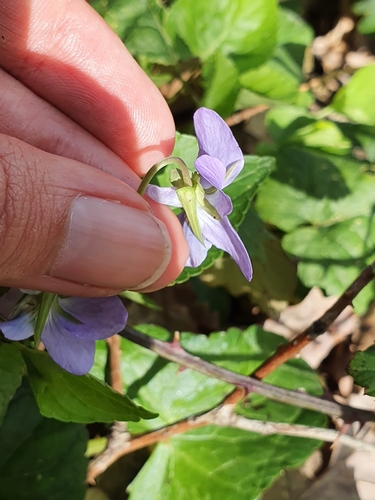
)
(45, 304)
(158, 166)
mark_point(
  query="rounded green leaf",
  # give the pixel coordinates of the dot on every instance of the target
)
(310, 186)
(362, 369)
(236, 27)
(332, 257)
(354, 100)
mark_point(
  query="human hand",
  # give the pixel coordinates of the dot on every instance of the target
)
(79, 122)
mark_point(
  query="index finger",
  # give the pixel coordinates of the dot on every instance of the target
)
(66, 53)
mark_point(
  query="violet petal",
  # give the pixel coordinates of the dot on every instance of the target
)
(222, 235)
(19, 328)
(221, 202)
(197, 251)
(100, 317)
(73, 354)
(215, 139)
(211, 169)
(164, 195)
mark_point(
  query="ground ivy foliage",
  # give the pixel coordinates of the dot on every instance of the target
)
(207, 460)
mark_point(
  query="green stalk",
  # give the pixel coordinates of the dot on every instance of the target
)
(45, 305)
(158, 166)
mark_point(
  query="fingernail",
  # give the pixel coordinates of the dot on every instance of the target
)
(110, 245)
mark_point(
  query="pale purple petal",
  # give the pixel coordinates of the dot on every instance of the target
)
(73, 354)
(215, 139)
(233, 170)
(19, 328)
(221, 202)
(100, 317)
(197, 251)
(222, 235)
(212, 170)
(163, 195)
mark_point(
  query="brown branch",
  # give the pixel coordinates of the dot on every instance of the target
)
(117, 442)
(118, 446)
(293, 348)
(114, 358)
(178, 355)
(225, 416)
(245, 114)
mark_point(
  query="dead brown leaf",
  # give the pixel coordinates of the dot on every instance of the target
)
(295, 319)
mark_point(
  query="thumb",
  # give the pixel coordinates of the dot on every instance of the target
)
(72, 229)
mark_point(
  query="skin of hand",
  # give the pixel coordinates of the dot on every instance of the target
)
(80, 123)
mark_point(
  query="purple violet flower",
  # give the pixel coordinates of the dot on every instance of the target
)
(72, 327)
(219, 162)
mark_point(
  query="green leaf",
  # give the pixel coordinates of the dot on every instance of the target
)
(139, 24)
(325, 201)
(312, 187)
(71, 398)
(361, 136)
(12, 368)
(186, 147)
(323, 135)
(221, 84)
(218, 463)
(142, 299)
(152, 481)
(215, 462)
(294, 35)
(293, 125)
(333, 256)
(241, 191)
(235, 27)
(279, 78)
(362, 369)
(275, 275)
(353, 99)
(41, 459)
(272, 80)
(365, 8)
(284, 121)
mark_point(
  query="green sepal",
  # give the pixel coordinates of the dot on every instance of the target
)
(188, 198)
(45, 304)
(180, 179)
(205, 204)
